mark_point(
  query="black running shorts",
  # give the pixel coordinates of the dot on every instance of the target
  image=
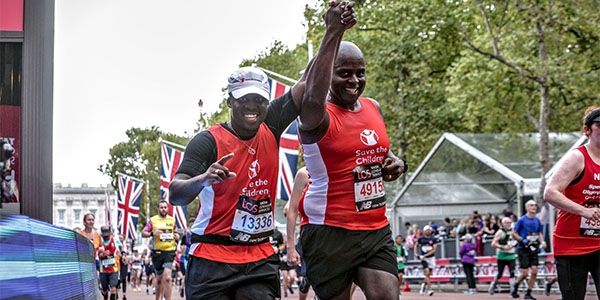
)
(333, 255)
(162, 260)
(208, 279)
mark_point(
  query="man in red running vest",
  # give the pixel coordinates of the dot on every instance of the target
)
(347, 154)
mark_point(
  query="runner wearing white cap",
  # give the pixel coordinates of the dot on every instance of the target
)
(425, 251)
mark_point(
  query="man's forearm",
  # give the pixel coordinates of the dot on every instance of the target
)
(319, 75)
(291, 226)
(184, 191)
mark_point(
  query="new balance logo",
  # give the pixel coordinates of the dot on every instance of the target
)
(242, 237)
(589, 232)
(366, 205)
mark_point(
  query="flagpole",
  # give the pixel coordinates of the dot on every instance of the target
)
(278, 75)
(171, 143)
(107, 212)
(115, 221)
(148, 202)
(135, 179)
(310, 56)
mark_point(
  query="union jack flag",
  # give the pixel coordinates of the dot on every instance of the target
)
(171, 159)
(288, 148)
(129, 197)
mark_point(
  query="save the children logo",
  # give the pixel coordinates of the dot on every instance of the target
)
(254, 169)
(369, 137)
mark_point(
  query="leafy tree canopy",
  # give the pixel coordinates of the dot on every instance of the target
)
(439, 66)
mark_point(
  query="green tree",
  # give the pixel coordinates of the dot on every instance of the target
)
(140, 157)
(476, 66)
(523, 50)
(440, 66)
(409, 46)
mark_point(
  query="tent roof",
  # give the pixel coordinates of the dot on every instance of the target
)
(469, 167)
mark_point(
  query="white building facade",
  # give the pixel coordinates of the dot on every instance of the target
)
(71, 203)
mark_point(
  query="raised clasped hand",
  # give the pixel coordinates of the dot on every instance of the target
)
(340, 13)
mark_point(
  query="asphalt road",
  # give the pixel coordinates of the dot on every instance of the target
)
(447, 294)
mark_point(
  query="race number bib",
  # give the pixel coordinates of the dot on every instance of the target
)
(534, 243)
(587, 227)
(426, 248)
(166, 235)
(369, 192)
(108, 262)
(253, 221)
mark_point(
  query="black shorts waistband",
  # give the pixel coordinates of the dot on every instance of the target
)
(219, 239)
(161, 251)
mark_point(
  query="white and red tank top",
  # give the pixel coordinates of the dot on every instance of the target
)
(346, 174)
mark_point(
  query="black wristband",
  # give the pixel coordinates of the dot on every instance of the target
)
(151, 233)
(405, 166)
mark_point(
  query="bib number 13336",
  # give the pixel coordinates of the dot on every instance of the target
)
(253, 221)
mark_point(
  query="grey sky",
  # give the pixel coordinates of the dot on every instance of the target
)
(123, 64)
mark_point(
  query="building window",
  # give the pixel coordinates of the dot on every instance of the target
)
(61, 215)
(93, 212)
(77, 215)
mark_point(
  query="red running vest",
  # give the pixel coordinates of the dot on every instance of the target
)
(572, 233)
(256, 177)
(108, 264)
(345, 167)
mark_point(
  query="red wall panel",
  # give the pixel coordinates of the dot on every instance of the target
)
(11, 15)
